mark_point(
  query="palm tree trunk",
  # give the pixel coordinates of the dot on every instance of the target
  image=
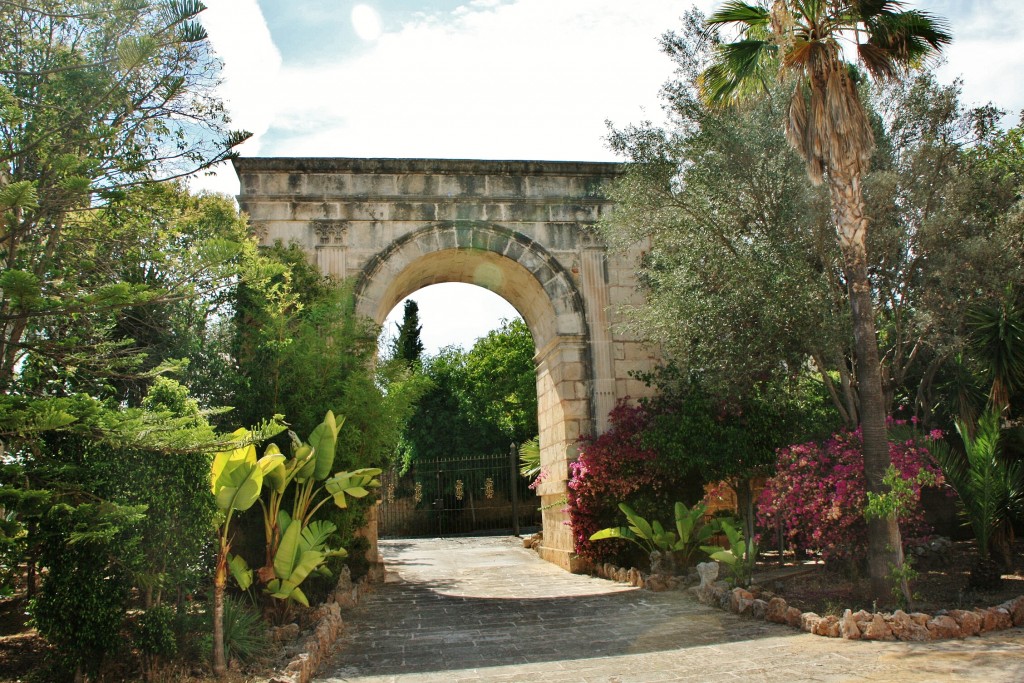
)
(885, 547)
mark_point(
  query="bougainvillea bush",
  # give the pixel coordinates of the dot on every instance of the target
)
(818, 495)
(614, 468)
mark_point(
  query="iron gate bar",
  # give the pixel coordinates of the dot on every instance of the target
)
(456, 496)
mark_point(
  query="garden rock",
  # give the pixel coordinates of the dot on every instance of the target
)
(739, 600)
(906, 629)
(969, 622)
(943, 627)
(708, 572)
(794, 617)
(877, 629)
(658, 583)
(848, 626)
(758, 608)
(1016, 610)
(776, 611)
(809, 621)
(827, 626)
(662, 563)
(283, 634)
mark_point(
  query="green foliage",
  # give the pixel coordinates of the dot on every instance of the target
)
(741, 555)
(743, 277)
(690, 532)
(80, 607)
(300, 348)
(302, 551)
(155, 637)
(407, 344)
(245, 633)
(529, 458)
(900, 496)
(96, 100)
(478, 401)
(990, 489)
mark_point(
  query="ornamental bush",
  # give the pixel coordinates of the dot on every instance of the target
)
(818, 494)
(616, 467)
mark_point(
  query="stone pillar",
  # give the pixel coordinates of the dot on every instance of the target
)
(563, 406)
(596, 301)
(331, 249)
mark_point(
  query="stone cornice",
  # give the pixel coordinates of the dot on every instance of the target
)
(434, 166)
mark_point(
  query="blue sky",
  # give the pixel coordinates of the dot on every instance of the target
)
(494, 79)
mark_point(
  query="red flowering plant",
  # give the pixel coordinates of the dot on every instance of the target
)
(613, 468)
(818, 494)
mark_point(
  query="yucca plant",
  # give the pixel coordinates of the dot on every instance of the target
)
(990, 489)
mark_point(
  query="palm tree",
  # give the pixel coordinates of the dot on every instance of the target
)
(807, 42)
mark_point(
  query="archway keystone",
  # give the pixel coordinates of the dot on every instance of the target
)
(517, 228)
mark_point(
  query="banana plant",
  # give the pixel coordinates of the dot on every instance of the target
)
(308, 468)
(739, 557)
(236, 479)
(303, 551)
(652, 536)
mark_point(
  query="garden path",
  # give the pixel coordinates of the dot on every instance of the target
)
(470, 610)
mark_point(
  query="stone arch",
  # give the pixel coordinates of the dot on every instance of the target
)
(518, 228)
(523, 273)
(482, 254)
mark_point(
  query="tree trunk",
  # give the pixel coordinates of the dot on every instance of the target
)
(885, 547)
(220, 580)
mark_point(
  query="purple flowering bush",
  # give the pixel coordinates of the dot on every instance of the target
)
(612, 468)
(818, 495)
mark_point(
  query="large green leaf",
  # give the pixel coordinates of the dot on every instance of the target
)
(305, 460)
(240, 571)
(639, 525)
(288, 551)
(614, 532)
(316, 534)
(354, 484)
(239, 481)
(275, 471)
(324, 440)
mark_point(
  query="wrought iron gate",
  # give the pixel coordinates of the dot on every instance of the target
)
(448, 497)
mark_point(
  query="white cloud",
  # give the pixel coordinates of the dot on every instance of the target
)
(366, 22)
(452, 314)
(530, 79)
(251, 69)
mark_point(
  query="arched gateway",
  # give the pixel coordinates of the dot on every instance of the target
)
(518, 228)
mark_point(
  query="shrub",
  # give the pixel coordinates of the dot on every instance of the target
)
(818, 494)
(613, 468)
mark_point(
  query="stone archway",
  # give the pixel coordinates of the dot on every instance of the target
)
(519, 229)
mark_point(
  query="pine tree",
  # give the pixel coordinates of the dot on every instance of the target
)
(408, 345)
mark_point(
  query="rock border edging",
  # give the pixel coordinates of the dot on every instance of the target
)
(317, 647)
(862, 625)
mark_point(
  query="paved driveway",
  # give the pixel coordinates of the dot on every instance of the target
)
(485, 609)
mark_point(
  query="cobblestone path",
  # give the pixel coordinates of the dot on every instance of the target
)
(470, 610)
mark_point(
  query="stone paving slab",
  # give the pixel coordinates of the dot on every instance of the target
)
(475, 610)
